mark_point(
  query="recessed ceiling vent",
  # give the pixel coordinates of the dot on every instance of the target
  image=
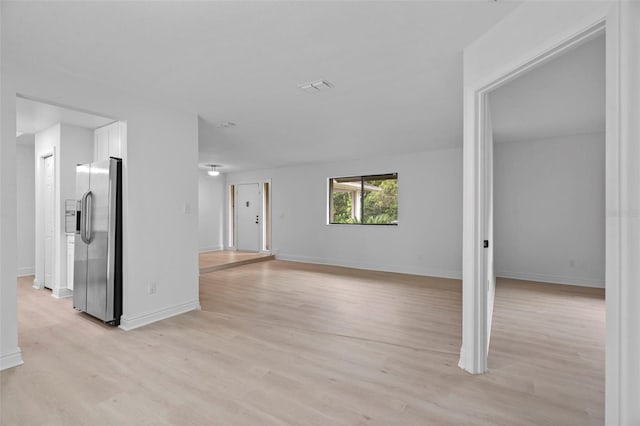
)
(225, 124)
(316, 86)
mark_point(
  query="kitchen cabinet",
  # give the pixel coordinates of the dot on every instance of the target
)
(109, 141)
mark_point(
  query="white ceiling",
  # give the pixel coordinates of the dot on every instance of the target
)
(33, 116)
(565, 96)
(396, 67)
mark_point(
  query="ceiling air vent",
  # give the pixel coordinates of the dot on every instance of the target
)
(316, 86)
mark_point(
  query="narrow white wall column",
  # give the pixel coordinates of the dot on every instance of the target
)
(10, 354)
(623, 306)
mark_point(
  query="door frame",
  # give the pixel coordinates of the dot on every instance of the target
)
(477, 196)
(46, 215)
(39, 275)
(267, 202)
(235, 219)
(232, 212)
(620, 198)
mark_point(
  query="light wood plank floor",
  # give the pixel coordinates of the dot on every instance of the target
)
(217, 260)
(287, 343)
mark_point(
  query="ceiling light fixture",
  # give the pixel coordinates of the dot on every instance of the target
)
(316, 86)
(214, 170)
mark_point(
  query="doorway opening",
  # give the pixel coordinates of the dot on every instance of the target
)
(231, 215)
(548, 199)
(51, 140)
(545, 212)
(249, 213)
(266, 215)
(478, 284)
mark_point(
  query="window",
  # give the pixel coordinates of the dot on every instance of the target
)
(364, 200)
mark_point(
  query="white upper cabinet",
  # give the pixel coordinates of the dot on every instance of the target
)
(101, 144)
(109, 141)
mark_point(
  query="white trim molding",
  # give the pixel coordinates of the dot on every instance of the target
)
(398, 269)
(551, 279)
(61, 293)
(11, 360)
(26, 271)
(37, 284)
(130, 323)
(210, 248)
(623, 216)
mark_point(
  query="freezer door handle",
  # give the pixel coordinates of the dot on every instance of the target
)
(85, 218)
(88, 226)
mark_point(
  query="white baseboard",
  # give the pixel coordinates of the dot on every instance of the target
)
(551, 279)
(400, 269)
(210, 248)
(61, 293)
(37, 284)
(12, 359)
(135, 321)
(26, 271)
(462, 358)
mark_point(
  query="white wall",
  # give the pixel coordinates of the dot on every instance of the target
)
(427, 240)
(549, 210)
(10, 354)
(210, 211)
(160, 224)
(160, 213)
(26, 199)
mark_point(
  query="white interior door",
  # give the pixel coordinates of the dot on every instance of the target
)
(49, 219)
(489, 251)
(248, 217)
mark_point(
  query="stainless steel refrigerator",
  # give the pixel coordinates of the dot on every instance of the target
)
(97, 279)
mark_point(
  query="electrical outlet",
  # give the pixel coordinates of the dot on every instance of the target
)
(153, 287)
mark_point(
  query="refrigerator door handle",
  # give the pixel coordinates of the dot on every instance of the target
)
(85, 223)
(88, 226)
(83, 215)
